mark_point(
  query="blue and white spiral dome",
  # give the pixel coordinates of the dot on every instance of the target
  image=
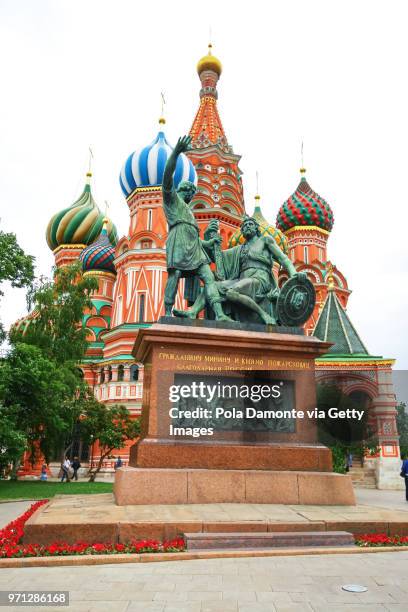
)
(145, 167)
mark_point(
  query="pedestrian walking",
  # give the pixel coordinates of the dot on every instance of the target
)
(75, 466)
(65, 468)
(404, 474)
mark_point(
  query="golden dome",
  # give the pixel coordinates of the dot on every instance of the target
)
(266, 230)
(209, 62)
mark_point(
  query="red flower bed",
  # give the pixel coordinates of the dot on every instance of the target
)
(12, 534)
(380, 539)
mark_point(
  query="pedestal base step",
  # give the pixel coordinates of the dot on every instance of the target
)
(288, 539)
(191, 486)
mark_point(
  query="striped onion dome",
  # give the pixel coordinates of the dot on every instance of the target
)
(305, 207)
(266, 230)
(99, 255)
(80, 223)
(21, 325)
(145, 167)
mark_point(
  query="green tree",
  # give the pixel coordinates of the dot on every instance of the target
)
(15, 266)
(402, 427)
(40, 383)
(40, 397)
(112, 426)
(343, 436)
(58, 328)
(12, 442)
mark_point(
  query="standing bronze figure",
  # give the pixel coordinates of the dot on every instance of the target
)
(187, 255)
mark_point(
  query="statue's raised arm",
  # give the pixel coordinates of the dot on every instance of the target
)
(183, 144)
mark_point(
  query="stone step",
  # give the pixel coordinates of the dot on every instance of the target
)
(284, 539)
(363, 477)
(356, 471)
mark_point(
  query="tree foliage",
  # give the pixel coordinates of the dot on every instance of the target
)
(41, 387)
(15, 266)
(402, 427)
(112, 426)
(343, 436)
(57, 328)
(12, 442)
(38, 396)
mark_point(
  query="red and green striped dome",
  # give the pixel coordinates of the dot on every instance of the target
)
(266, 230)
(305, 207)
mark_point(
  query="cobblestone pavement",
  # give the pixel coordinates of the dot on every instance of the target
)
(278, 584)
(101, 508)
(392, 500)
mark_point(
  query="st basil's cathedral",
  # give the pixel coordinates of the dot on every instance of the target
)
(131, 271)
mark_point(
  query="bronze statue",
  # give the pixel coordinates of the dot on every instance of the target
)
(187, 255)
(250, 290)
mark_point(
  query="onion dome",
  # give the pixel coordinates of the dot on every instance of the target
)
(305, 207)
(145, 167)
(266, 230)
(99, 256)
(209, 62)
(80, 223)
(22, 325)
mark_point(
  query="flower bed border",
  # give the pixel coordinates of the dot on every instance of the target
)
(12, 534)
(12, 549)
(365, 540)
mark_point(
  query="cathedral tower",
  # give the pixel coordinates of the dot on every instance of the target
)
(307, 219)
(220, 190)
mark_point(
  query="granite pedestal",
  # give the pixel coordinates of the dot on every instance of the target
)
(262, 461)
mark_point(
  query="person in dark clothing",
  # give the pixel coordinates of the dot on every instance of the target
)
(118, 463)
(75, 466)
(404, 474)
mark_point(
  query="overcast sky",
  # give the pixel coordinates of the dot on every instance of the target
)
(80, 73)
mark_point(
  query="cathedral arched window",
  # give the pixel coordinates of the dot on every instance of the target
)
(142, 303)
(102, 376)
(109, 373)
(306, 254)
(121, 373)
(149, 219)
(134, 373)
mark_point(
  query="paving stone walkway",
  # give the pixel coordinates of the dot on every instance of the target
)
(11, 510)
(101, 508)
(284, 584)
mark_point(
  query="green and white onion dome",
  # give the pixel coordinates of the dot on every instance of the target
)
(80, 223)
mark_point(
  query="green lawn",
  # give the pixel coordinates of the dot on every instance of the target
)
(21, 489)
